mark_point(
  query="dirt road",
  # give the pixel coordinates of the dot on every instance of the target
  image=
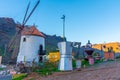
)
(103, 71)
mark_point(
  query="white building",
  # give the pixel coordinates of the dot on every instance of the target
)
(32, 42)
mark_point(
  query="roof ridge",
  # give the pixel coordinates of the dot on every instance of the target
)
(32, 31)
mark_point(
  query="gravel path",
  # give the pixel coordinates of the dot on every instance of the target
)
(103, 71)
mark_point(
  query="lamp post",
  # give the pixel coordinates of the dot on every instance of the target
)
(63, 17)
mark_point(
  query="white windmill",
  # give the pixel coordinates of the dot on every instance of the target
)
(28, 43)
(32, 44)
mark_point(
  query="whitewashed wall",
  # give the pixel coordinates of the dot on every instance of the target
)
(29, 49)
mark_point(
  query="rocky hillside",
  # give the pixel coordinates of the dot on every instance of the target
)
(8, 29)
(51, 42)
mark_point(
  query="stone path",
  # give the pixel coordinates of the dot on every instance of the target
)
(6, 77)
(103, 71)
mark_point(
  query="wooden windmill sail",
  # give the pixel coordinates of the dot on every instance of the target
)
(13, 46)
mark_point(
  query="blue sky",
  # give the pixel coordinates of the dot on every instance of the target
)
(94, 20)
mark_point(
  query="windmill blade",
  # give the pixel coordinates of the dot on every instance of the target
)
(31, 12)
(26, 13)
(16, 37)
(12, 42)
(16, 47)
(16, 44)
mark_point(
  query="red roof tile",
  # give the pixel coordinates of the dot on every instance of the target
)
(32, 31)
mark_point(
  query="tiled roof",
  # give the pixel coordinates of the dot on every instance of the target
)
(32, 31)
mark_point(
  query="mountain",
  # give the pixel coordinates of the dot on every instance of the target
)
(8, 30)
(51, 42)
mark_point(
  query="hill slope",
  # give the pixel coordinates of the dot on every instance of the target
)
(8, 29)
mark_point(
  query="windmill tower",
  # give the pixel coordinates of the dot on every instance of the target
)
(27, 40)
(32, 42)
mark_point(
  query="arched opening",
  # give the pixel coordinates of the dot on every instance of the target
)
(41, 50)
(24, 39)
(41, 53)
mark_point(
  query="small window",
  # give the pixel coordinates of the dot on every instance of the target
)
(24, 39)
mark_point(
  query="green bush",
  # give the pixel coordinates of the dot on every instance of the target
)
(32, 79)
(74, 64)
(47, 68)
(1, 69)
(1, 51)
(19, 76)
(84, 62)
(98, 61)
(95, 54)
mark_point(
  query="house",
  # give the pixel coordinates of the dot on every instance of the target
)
(111, 50)
(114, 45)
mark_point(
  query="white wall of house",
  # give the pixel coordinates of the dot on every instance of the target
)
(29, 47)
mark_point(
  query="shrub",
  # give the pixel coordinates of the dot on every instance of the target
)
(74, 64)
(98, 61)
(1, 69)
(19, 76)
(84, 62)
(95, 54)
(47, 68)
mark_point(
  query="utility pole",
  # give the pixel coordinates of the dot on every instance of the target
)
(63, 17)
